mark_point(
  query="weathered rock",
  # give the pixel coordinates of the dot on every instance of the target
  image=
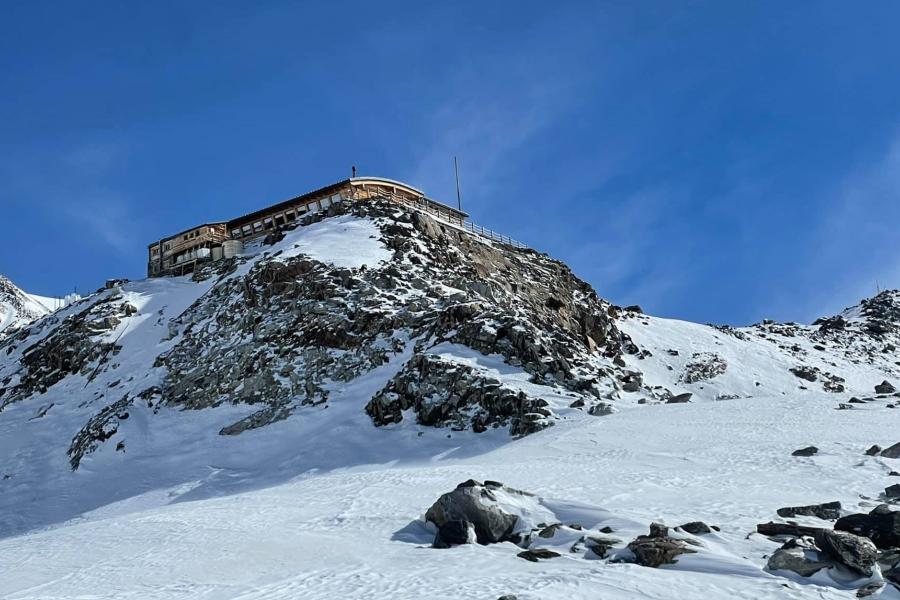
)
(892, 451)
(892, 491)
(873, 450)
(800, 556)
(600, 545)
(680, 398)
(806, 373)
(827, 511)
(472, 504)
(885, 387)
(696, 528)
(703, 367)
(808, 451)
(537, 554)
(853, 551)
(658, 548)
(880, 527)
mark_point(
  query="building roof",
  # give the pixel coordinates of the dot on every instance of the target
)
(175, 235)
(328, 189)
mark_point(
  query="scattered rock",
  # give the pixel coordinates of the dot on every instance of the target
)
(680, 398)
(892, 452)
(874, 450)
(885, 387)
(828, 511)
(538, 554)
(658, 548)
(703, 367)
(800, 556)
(808, 451)
(600, 545)
(892, 491)
(696, 528)
(805, 373)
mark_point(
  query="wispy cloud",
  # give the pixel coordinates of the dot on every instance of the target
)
(856, 238)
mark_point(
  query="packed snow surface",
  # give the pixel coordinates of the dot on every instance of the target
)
(353, 533)
(344, 241)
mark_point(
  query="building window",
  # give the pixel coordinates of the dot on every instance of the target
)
(267, 223)
(279, 220)
(258, 226)
(235, 233)
(247, 230)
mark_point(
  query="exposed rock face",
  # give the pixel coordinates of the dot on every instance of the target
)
(472, 504)
(892, 491)
(703, 366)
(280, 333)
(881, 526)
(441, 392)
(827, 511)
(77, 345)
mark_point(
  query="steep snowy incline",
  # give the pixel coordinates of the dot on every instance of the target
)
(17, 308)
(355, 533)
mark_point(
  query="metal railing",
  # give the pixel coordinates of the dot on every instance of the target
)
(423, 205)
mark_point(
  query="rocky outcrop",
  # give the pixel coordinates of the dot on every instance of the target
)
(657, 548)
(828, 511)
(881, 525)
(858, 553)
(703, 367)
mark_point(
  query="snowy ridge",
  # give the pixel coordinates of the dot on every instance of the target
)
(277, 425)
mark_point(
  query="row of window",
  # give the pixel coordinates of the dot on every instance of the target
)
(288, 216)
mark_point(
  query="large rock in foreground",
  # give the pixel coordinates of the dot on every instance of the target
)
(474, 507)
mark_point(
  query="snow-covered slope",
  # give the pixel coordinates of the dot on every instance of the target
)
(18, 308)
(275, 426)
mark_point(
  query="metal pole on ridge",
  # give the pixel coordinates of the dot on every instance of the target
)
(456, 171)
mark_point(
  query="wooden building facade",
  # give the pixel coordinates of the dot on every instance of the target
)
(179, 254)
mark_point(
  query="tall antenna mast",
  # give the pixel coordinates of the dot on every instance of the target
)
(456, 171)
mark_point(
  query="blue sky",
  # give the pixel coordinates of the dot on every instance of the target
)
(714, 161)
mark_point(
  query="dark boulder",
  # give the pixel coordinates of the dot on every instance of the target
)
(696, 528)
(472, 504)
(873, 450)
(892, 452)
(856, 552)
(658, 548)
(538, 554)
(882, 526)
(892, 491)
(827, 511)
(799, 555)
(885, 387)
(680, 398)
(808, 451)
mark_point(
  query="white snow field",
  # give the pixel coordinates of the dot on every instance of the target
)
(350, 533)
